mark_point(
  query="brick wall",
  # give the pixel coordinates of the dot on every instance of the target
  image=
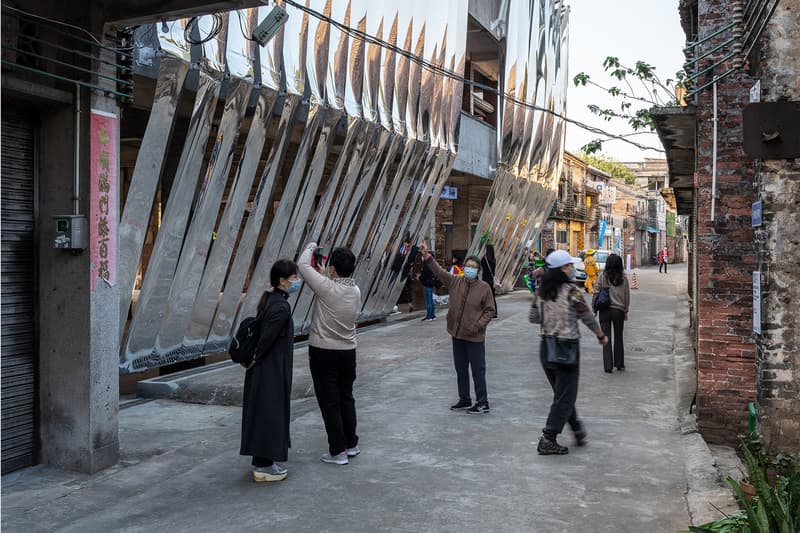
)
(725, 252)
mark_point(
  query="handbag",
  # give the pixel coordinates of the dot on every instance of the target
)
(562, 352)
(603, 300)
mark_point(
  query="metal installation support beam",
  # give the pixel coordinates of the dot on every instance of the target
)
(208, 294)
(146, 174)
(153, 299)
(224, 317)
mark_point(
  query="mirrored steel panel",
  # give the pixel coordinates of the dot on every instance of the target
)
(348, 142)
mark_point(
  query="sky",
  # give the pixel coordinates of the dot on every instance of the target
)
(632, 30)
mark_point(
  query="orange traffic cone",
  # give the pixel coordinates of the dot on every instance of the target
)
(634, 282)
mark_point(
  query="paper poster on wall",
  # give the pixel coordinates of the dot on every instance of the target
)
(757, 302)
(103, 195)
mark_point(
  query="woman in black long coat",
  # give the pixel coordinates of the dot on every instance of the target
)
(268, 382)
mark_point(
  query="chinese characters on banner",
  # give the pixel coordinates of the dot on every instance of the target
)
(103, 210)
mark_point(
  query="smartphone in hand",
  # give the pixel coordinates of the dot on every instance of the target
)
(318, 259)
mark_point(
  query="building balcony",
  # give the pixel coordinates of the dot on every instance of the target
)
(477, 148)
(570, 211)
(640, 222)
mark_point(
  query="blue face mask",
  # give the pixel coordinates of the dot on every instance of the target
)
(470, 272)
(295, 286)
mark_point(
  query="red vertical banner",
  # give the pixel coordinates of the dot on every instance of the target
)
(103, 210)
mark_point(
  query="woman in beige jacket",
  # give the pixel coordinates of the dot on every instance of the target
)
(615, 315)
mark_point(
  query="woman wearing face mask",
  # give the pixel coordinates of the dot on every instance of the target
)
(268, 382)
(557, 306)
(471, 309)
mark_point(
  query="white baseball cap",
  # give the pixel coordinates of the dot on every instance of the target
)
(560, 258)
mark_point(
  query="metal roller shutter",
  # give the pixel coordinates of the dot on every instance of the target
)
(17, 340)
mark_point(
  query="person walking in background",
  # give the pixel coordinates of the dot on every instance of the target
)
(266, 399)
(471, 310)
(488, 265)
(332, 347)
(428, 280)
(616, 313)
(457, 267)
(663, 256)
(591, 269)
(557, 306)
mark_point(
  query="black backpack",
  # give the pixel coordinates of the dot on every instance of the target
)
(243, 344)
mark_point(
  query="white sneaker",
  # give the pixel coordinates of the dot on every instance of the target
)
(269, 473)
(352, 452)
(338, 459)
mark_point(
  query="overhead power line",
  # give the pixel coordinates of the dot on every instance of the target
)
(436, 69)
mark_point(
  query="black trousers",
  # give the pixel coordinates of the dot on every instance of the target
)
(468, 354)
(333, 373)
(664, 264)
(564, 382)
(611, 318)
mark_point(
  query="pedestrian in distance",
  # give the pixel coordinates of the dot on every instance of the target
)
(471, 310)
(457, 266)
(591, 269)
(663, 256)
(428, 280)
(616, 313)
(488, 267)
(332, 347)
(557, 306)
(268, 381)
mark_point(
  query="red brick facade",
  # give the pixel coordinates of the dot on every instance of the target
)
(726, 359)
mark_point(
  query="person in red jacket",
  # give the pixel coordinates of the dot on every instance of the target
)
(663, 256)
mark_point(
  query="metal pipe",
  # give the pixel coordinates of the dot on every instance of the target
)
(73, 51)
(708, 53)
(76, 177)
(713, 66)
(714, 152)
(710, 36)
(69, 65)
(62, 78)
(764, 25)
(709, 84)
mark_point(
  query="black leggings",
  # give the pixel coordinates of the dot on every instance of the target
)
(613, 318)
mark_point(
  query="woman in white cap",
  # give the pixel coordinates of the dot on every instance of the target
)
(557, 306)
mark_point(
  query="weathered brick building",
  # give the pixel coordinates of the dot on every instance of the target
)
(747, 347)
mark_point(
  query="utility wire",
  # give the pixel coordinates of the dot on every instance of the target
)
(52, 21)
(427, 65)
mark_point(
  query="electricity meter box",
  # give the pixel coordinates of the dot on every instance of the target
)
(71, 232)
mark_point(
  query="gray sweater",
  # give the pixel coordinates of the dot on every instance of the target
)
(620, 294)
(333, 314)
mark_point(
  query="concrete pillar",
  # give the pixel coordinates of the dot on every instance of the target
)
(79, 321)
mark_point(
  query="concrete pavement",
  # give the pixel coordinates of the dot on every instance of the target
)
(423, 468)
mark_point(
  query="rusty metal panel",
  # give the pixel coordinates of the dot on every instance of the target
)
(772, 130)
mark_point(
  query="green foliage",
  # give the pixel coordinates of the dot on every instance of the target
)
(735, 523)
(609, 165)
(643, 86)
(486, 237)
(775, 508)
(670, 224)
